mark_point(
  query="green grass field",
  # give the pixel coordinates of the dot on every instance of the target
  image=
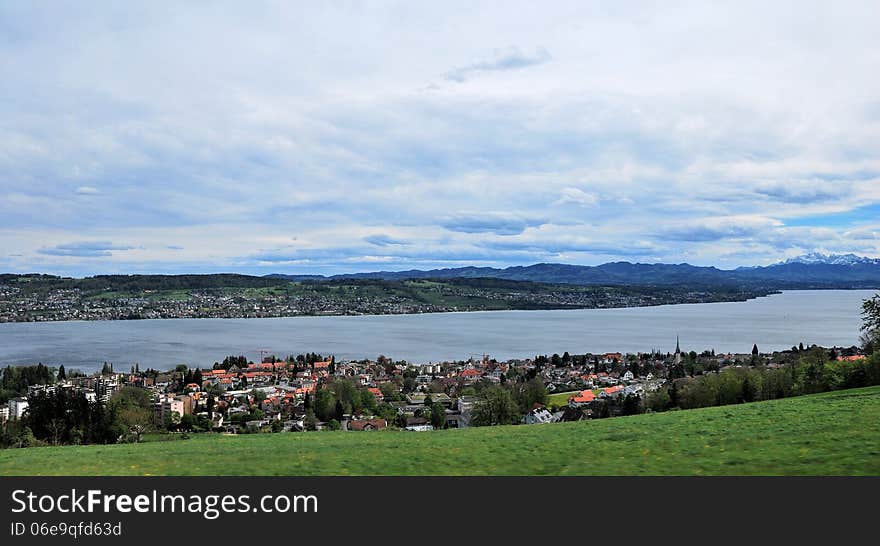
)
(560, 399)
(834, 433)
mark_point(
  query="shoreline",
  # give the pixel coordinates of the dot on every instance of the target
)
(341, 315)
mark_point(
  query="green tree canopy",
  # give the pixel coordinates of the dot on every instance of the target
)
(495, 407)
(131, 397)
(871, 324)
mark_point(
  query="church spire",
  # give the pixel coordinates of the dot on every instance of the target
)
(677, 346)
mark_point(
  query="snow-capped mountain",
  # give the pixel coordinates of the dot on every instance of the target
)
(814, 258)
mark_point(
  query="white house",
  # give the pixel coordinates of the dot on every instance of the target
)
(537, 416)
(419, 428)
(17, 407)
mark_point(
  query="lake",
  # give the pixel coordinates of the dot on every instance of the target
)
(824, 317)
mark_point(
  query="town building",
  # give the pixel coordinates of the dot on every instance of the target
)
(17, 408)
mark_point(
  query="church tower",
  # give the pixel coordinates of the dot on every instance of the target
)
(677, 351)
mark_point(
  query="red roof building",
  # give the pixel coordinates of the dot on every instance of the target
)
(583, 397)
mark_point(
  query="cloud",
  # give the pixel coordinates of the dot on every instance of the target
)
(552, 248)
(576, 196)
(510, 59)
(716, 229)
(383, 240)
(490, 222)
(863, 234)
(804, 192)
(346, 153)
(84, 249)
(303, 255)
(174, 247)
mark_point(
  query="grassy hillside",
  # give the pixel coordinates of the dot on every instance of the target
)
(834, 433)
(560, 399)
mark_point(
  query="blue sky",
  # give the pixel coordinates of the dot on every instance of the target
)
(343, 136)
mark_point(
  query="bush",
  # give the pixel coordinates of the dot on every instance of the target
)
(333, 424)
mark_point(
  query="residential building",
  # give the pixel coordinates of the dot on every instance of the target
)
(17, 407)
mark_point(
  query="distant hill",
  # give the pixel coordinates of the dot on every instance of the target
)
(831, 259)
(810, 271)
(803, 272)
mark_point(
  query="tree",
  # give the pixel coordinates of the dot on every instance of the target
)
(748, 394)
(136, 420)
(62, 374)
(755, 350)
(172, 419)
(658, 400)
(368, 401)
(496, 407)
(409, 384)
(24, 437)
(57, 428)
(310, 422)
(870, 338)
(530, 393)
(187, 422)
(390, 391)
(438, 415)
(130, 397)
(346, 392)
(386, 411)
(325, 404)
(632, 404)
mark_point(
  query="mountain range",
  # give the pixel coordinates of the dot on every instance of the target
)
(807, 271)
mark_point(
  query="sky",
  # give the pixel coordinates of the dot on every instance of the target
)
(337, 136)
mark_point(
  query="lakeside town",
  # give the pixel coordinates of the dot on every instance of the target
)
(311, 392)
(41, 298)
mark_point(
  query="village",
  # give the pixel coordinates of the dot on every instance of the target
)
(313, 392)
(43, 298)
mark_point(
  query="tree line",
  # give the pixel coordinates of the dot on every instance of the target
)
(814, 373)
(15, 380)
(66, 417)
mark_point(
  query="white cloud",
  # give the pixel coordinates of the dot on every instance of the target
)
(699, 128)
(509, 59)
(576, 196)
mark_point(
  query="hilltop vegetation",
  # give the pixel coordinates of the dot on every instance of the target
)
(835, 433)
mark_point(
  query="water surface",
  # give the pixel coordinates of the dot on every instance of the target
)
(825, 317)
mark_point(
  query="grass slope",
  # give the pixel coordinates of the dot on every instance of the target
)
(827, 434)
(560, 399)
